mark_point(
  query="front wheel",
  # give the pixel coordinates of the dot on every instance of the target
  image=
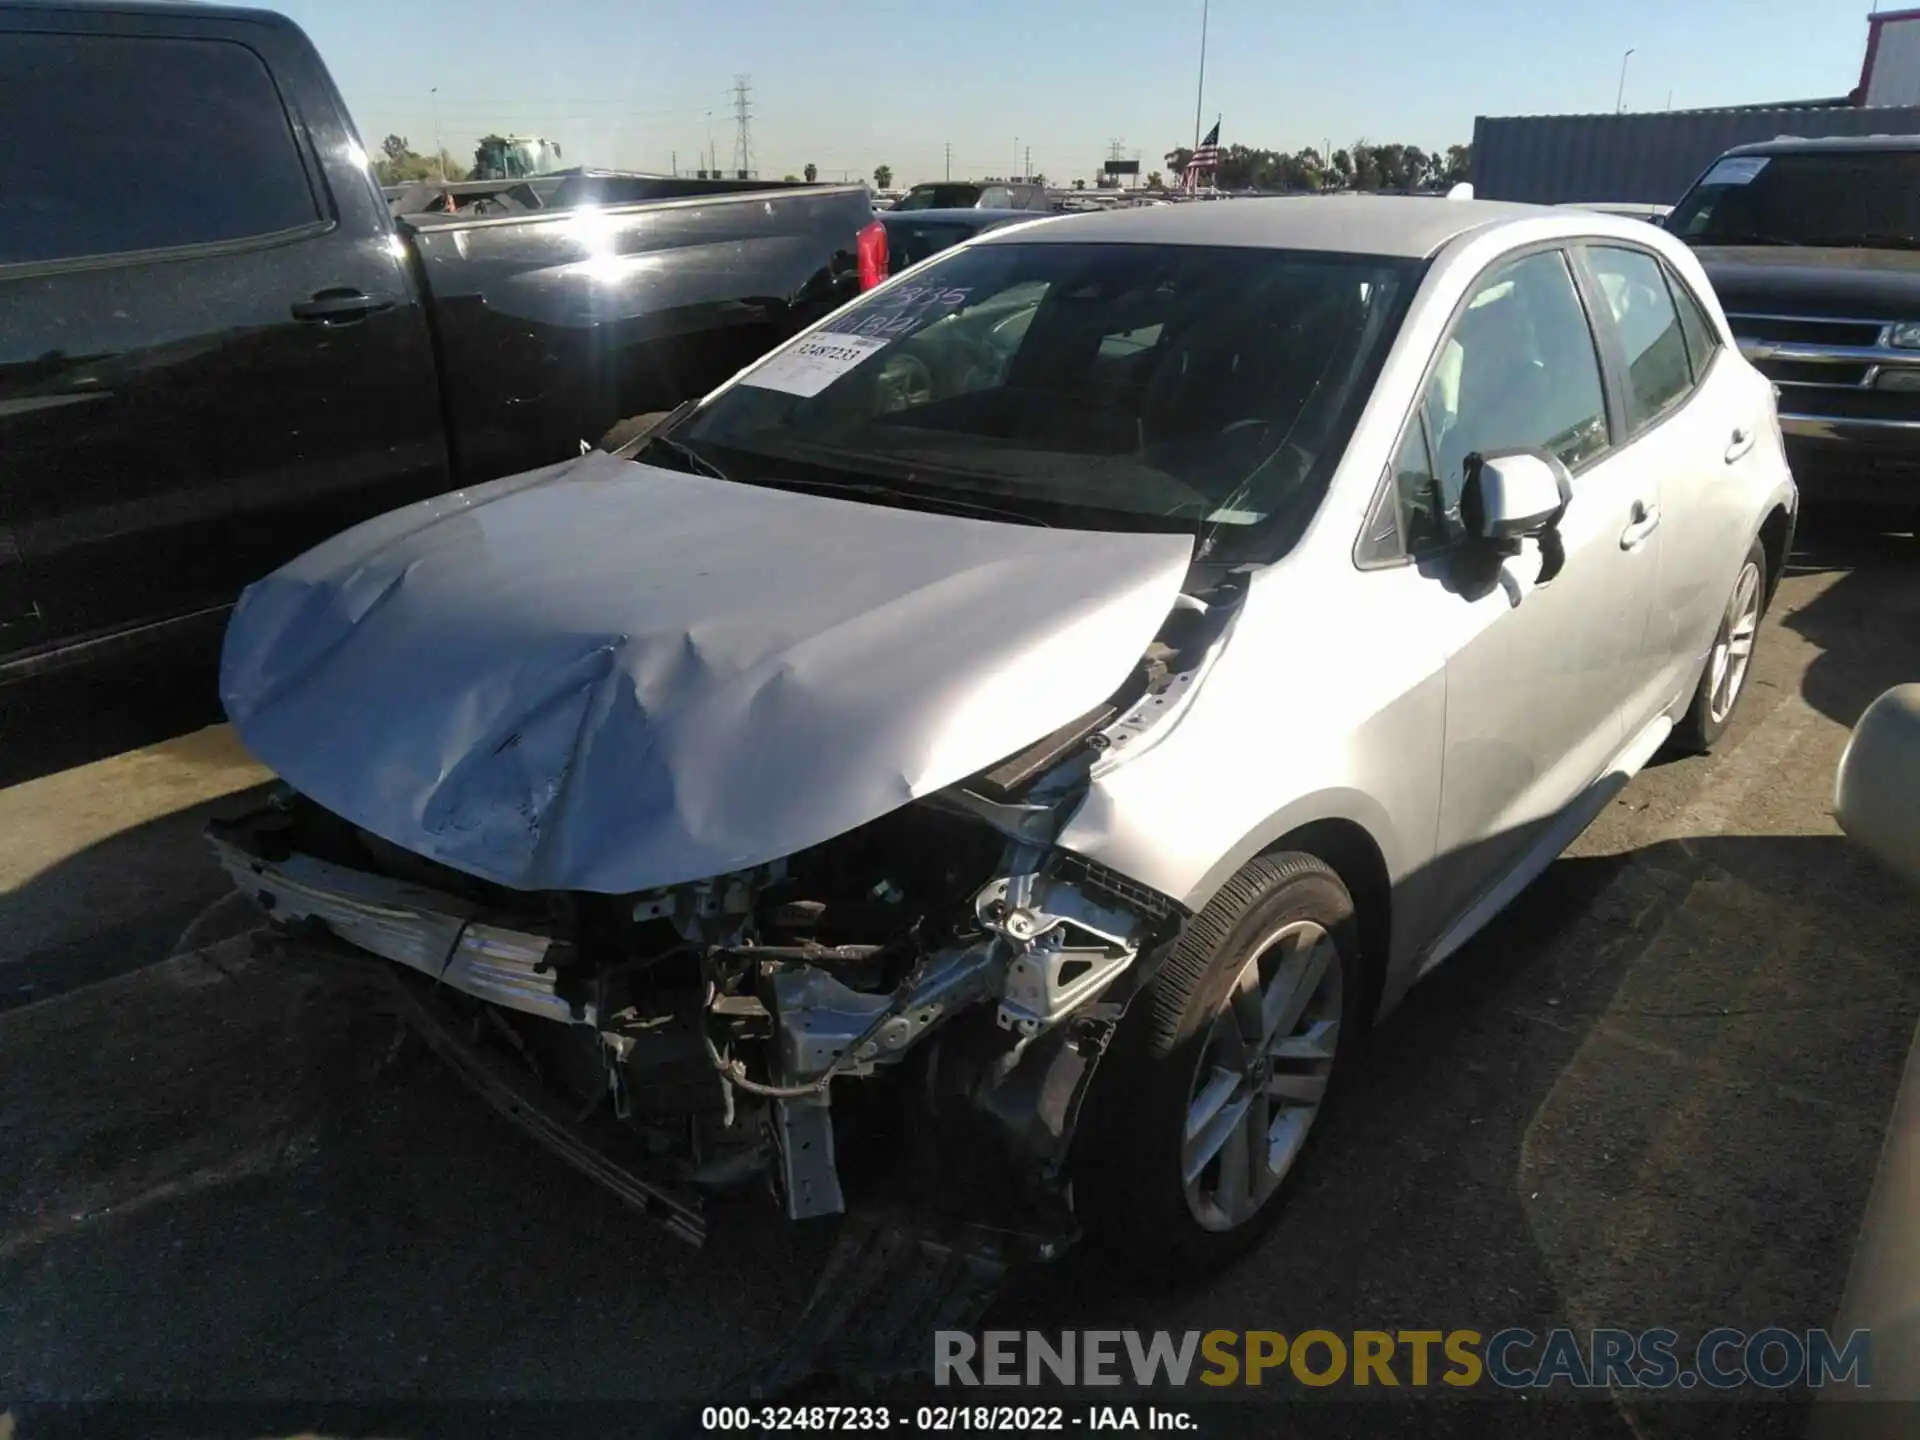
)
(1724, 679)
(1204, 1106)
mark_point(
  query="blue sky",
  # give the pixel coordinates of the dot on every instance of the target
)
(848, 84)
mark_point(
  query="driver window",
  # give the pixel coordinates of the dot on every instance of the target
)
(1519, 371)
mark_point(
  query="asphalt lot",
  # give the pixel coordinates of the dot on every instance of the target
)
(1651, 1094)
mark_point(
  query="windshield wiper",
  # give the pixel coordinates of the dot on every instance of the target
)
(874, 491)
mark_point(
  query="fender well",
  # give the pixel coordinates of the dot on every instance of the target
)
(1351, 832)
(1776, 536)
(1354, 856)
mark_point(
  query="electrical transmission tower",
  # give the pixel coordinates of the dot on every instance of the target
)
(743, 124)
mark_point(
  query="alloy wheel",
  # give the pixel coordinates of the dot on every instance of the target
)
(1262, 1076)
(1733, 648)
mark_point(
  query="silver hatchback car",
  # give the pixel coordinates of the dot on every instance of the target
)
(1021, 731)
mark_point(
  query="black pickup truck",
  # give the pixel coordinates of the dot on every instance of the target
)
(1814, 249)
(218, 346)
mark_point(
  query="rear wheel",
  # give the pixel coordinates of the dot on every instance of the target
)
(1204, 1107)
(1724, 679)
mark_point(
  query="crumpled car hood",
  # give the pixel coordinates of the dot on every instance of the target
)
(604, 676)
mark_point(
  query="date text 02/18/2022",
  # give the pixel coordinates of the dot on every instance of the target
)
(943, 1419)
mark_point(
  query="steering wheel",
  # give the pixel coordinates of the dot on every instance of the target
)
(904, 381)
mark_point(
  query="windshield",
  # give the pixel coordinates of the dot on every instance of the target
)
(1204, 389)
(939, 197)
(1837, 198)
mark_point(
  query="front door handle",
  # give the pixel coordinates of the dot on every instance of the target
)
(1741, 443)
(1646, 520)
(339, 306)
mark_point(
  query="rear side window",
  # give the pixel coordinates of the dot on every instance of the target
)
(116, 144)
(1658, 374)
(1703, 341)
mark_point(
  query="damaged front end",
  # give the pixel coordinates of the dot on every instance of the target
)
(913, 1009)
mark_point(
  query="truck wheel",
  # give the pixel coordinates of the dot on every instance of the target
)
(1201, 1112)
(1724, 678)
(626, 429)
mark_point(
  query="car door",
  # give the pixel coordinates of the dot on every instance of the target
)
(1688, 426)
(190, 391)
(1539, 660)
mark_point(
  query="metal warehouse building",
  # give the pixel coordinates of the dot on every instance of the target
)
(1653, 158)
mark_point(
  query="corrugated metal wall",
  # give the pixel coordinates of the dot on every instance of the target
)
(1550, 159)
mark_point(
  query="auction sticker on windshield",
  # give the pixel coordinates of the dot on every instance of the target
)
(808, 366)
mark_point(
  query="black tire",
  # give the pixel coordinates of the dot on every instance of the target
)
(1700, 728)
(1128, 1183)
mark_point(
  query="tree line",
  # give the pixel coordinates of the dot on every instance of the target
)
(397, 164)
(1360, 166)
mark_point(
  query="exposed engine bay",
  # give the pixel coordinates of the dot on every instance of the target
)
(920, 1000)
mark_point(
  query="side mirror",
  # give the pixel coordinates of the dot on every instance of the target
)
(1511, 495)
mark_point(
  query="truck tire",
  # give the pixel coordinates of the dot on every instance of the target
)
(1229, 1054)
(1723, 680)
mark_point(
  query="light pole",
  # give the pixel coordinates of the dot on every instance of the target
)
(1016, 155)
(1620, 100)
(439, 151)
(1200, 90)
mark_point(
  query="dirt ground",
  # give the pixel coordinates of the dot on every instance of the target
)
(1650, 1094)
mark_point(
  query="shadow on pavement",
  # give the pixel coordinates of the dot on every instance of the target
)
(1867, 623)
(1650, 1094)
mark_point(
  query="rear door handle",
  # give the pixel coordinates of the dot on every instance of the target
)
(1741, 443)
(340, 306)
(1646, 520)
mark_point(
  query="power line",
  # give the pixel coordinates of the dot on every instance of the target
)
(743, 122)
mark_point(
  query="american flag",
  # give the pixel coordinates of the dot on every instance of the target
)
(1206, 159)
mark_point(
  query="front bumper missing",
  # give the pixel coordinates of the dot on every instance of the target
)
(436, 934)
(1054, 963)
(510, 1092)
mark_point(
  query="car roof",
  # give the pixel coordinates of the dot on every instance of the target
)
(1806, 145)
(180, 9)
(1406, 226)
(970, 215)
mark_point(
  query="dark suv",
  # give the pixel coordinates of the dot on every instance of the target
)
(973, 195)
(1814, 248)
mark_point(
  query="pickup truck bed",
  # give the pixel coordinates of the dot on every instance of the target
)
(221, 347)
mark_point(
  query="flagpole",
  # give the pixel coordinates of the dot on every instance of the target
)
(1200, 93)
